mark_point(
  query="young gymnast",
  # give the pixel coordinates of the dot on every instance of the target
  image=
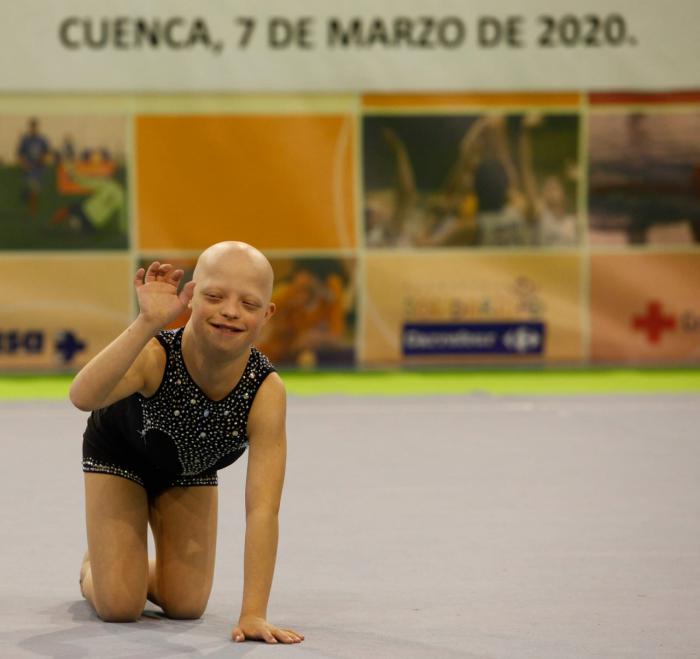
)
(169, 409)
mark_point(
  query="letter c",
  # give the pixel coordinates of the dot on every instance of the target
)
(63, 33)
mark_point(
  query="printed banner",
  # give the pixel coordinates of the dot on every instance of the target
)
(316, 45)
(644, 179)
(63, 182)
(645, 308)
(56, 312)
(470, 307)
(460, 180)
(277, 182)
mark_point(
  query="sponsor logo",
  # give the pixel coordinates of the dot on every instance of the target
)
(653, 322)
(66, 344)
(515, 338)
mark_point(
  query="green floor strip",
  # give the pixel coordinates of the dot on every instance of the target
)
(406, 383)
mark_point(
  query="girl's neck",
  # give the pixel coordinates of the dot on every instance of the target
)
(215, 372)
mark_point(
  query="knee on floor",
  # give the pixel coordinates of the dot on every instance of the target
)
(120, 611)
(183, 609)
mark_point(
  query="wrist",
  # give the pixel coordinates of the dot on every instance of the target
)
(147, 324)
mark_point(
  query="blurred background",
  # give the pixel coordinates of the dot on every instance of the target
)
(518, 219)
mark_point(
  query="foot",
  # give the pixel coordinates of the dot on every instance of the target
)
(85, 565)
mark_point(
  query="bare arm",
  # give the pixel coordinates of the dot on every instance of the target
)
(468, 149)
(264, 481)
(404, 170)
(526, 166)
(497, 125)
(123, 367)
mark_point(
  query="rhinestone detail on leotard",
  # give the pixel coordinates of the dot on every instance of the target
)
(102, 468)
(202, 430)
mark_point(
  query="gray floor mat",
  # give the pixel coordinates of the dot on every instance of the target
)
(443, 527)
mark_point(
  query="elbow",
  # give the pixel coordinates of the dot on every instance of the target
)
(80, 401)
(81, 405)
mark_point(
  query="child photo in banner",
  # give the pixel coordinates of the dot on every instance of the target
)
(63, 182)
(314, 324)
(644, 181)
(471, 180)
(314, 321)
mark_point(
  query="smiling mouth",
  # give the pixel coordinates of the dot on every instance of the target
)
(227, 329)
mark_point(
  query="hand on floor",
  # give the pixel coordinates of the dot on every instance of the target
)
(254, 628)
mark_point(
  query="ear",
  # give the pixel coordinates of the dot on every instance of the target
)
(271, 308)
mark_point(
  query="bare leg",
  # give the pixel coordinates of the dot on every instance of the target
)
(183, 520)
(114, 574)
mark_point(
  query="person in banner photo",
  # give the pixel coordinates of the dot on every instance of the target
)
(169, 408)
(33, 153)
(106, 200)
(489, 194)
(547, 204)
(311, 327)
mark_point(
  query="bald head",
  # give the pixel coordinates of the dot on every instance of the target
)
(235, 259)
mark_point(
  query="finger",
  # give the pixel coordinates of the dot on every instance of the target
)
(138, 277)
(164, 269)
(238, 635)
(175, 276)
(152, 271)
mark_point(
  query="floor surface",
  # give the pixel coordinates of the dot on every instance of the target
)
(471, 527)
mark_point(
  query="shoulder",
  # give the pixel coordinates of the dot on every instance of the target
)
(271, 391)
(270, 404)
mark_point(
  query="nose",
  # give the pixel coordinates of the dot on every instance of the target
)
(231, 310)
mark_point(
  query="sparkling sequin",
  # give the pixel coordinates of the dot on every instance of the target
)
(91, 465)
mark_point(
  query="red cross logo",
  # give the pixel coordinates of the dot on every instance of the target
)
(653, 322)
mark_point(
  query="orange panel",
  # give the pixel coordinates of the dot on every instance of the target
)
(274, 181)
(457, 100)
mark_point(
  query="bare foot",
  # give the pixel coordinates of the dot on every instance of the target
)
(83, 571)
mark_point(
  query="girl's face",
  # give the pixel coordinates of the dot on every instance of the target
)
(231, 304)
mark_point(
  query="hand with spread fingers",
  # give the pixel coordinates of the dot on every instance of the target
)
(156, 289)
(258, 629)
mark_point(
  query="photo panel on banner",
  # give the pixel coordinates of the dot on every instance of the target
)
(463, 307)
(471, 179)
(645, 308)
(63, 182)
(274, 181)
(59, 311)
(644, 175)
(315, 319)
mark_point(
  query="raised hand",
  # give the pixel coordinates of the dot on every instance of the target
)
(156, 289)
(258, 629)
